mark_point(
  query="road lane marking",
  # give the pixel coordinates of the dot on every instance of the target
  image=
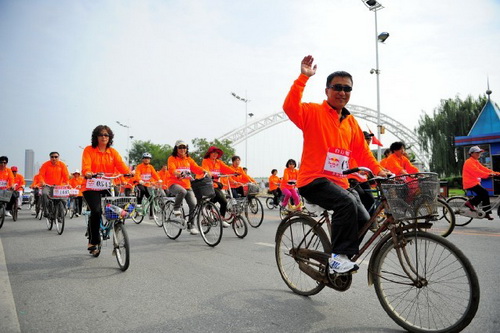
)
(10, 321)
(265, 244)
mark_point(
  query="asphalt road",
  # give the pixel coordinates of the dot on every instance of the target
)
(48, 283)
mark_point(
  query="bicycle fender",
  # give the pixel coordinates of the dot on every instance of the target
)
(374, 255)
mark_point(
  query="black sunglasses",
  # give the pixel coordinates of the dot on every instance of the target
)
(339, 87)
(3, 162)
(105, 135)
(181, 147)
(54, 156)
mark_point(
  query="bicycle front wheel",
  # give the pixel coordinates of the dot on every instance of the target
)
(72, 208)
(443, 292)
(2, 214)
(457, 204)
(137, 216)
(121, 245)
(59, 218)
(171, 226)
(240, 227)
(254, 212)
(210, 224)
(294, 239)
(50, 215)
(270, 203)
(14, 210)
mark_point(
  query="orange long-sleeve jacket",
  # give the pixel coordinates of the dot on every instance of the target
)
(328, 142)
(146, 173)
(77, 182)
(165, 177)
(6, 178)
(54, 174)
(19, 180)
(36, 181)
(360, 177)
(216, 168)
(289, 175)
(473, 171)
(108, 162)
(399, 165)
(178, 164)
(274, 182)
(242, 177)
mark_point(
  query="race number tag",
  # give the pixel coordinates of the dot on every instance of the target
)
(61, 192)
(185, 171)
(337, 160)
(98, 184)
(73, 192)
(215, 174)
(3, 184)
(145, 177)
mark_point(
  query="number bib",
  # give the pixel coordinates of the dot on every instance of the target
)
(337, 160)
(215, 174)
(146, 177)
(3, 184)
(61, 192)
(98, 184)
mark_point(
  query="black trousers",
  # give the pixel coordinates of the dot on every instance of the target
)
(348, 213)
(482, 196)
(221, 199)
(93, 199)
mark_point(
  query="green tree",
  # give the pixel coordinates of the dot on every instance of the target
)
(159, 152)
(201, 145)
(436, 133)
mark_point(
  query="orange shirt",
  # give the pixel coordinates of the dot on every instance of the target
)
(146, 173)
(54, 174)
(6, 178)
(36, 181)
(383, 162)
(242, 178)
(473, 171)
(360, 177)
(77, 182)
(399, 165)
(165, 176)
(179, 164)
(107, 162)
(274, 182)
(216, 168)
(289, 175)
(328, 142)
(19, 180)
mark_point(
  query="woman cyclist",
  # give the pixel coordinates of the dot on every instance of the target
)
(180, 166)
(76, 182)
(274, 186)
(237, 182)
(99, 157)
(288, 182)
(213, 163)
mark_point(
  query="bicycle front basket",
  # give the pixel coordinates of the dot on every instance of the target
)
(412, 196)
(252, 189)
(203, 188)
(5, 195)
(126, 203)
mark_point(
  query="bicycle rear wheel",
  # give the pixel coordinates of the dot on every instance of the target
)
(295, 236)
(136, 216)
(59, 217)
(254, 212)
(171, 226)
(2, 214)
(457, 204)
(270, 203)
(210, 224)
(157, 208)
(121, 247)
(444, 222)
(445, 296)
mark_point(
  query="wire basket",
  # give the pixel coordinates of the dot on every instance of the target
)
(126, 206)
(252, 189)
(5, 195)
(413, 196)
(203, 188)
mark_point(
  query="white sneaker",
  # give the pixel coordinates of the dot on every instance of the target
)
(339, 263)
(8, 214)
(225, 224)
(177, 212)
(194, 231)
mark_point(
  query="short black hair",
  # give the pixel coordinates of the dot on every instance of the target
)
(339, 74)
(97, 131)
(290, 161)
(396, 146)
(4, 159)
(235, 157)
(54, 152)
(273, 171)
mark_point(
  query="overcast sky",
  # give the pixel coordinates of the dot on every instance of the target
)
(167, 67)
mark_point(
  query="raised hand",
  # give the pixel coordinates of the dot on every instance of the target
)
(306, 66)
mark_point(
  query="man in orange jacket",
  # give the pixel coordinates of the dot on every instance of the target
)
(53, 172)
(472, 173)
(331, 137)
(6, 181)
(19, 185)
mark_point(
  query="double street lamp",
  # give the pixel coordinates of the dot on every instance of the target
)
(246, 101)
(375, 6)
(128, 140)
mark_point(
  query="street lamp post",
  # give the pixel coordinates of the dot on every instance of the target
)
(245, 100)
(128, 140)
(375, 6)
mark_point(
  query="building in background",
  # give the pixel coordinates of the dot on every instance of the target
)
(29, 164)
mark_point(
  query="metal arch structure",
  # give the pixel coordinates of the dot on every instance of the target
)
(399, 130)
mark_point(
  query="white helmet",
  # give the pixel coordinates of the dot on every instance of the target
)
(147, 155)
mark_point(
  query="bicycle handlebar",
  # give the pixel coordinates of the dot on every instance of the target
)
(103, 175)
